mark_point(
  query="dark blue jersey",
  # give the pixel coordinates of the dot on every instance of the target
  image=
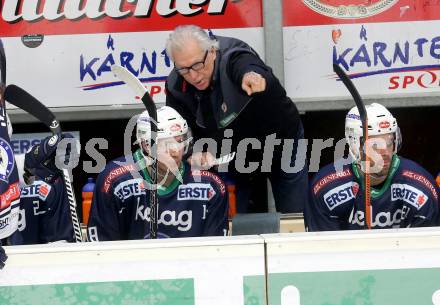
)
(44, 214)
(120, 207)
(407, 198)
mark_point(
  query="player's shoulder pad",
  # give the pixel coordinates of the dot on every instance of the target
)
(328, 175)
(413, 172)
(207, 176)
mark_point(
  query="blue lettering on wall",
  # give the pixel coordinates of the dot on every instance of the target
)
(86, 69)
(361, 56)
(23, 145)
(379, 49)
(92, 68)
(380, 54)
(403, 56)
(434, 47)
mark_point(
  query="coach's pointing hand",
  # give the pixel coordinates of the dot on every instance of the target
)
(253, 82)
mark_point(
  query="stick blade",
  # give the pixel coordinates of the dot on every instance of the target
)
(23, 100)
(132, 81)
(139, 89)
(352, 89)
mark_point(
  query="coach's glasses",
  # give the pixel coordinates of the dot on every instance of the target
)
(195, 67)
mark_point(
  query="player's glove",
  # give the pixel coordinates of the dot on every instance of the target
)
(46, 159)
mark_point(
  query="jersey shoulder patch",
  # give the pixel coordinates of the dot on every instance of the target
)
(329, 178)
(414, 173)
(211, 177)
(113, 171)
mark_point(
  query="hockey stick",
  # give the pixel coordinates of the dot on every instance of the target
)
(20, 98)
(2, 63)
(364, 119)
(2, 80)
(139, 89)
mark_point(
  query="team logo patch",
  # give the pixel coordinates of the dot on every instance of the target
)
(384, 124)
(176, 127)
(353, 116)
(54, 124)
(44, 190)
(409, 194)
(53, 140)
(6, 160)
(341, 194)
(349, 9)
(196, 191)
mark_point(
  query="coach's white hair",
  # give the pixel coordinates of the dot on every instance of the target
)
(184, 33)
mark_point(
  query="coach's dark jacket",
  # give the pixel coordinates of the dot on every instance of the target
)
(226, 105)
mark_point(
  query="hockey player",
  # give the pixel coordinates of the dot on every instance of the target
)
(9, 186)
(44, 207)
(194, 206)
(403, 194)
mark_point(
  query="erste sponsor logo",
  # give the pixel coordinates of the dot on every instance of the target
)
(195, 191)
(129, 188)
(409, 194)
(341, 194)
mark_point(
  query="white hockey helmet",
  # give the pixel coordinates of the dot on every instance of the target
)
(380, 121)
(170, 124)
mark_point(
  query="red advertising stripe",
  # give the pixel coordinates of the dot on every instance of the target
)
(323, 12)
(60, 17)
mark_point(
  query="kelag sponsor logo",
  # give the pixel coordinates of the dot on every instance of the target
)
(393, 58)
(384, 219)
(195, 191)
(182, 220)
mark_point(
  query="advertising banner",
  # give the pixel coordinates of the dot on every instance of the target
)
(389, 48)
(188, 271)
(379, 267)
(61, 51)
